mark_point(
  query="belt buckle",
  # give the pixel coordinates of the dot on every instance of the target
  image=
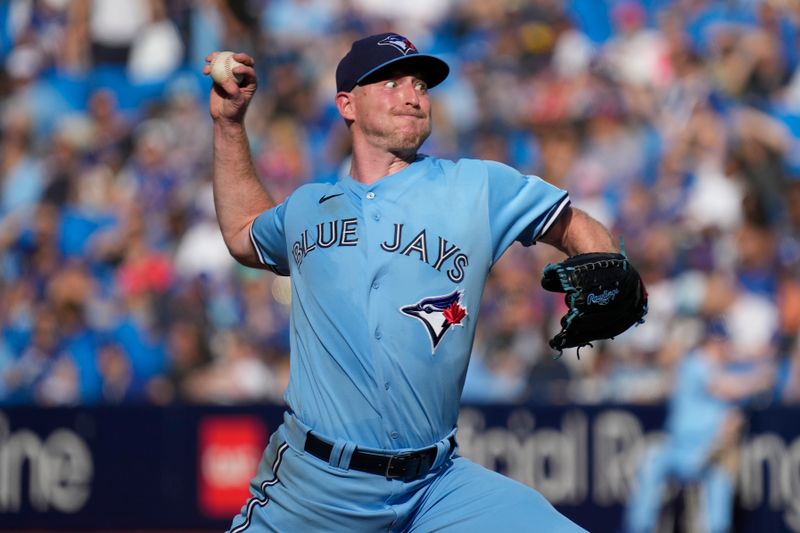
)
(402, 459)
(417, 464)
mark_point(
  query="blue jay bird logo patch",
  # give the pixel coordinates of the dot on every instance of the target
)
(438, 314)
(401, 43)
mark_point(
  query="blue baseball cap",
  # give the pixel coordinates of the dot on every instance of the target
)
(371, 55)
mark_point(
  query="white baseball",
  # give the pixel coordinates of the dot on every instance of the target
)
(222, 68)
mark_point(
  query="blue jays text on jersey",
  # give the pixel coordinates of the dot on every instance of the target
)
(345, 233)
(386, 286)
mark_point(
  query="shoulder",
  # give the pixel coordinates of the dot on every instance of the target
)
(478, 172)
(697, 363)
(468, 167)
(490, 169)
(311, 192)
(448, 165)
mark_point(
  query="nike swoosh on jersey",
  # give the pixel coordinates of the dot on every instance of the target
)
(328, 197)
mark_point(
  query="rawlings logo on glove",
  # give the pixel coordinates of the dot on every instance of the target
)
(602, 299)
(604, 293)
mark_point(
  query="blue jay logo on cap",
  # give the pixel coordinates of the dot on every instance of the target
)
(401, 43)
(438, 314)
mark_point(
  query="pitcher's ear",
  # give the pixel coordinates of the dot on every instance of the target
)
(345, 105)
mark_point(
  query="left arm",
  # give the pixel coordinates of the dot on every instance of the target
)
(603, 292)
(733, 386)
(575, 232)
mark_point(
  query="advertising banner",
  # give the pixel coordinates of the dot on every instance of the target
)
(143, 467)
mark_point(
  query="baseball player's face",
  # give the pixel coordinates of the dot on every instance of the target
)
(393, 113)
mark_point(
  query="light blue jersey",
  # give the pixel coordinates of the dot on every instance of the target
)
(386, 286)
(695, 415)
(387, 280)
(693, 426)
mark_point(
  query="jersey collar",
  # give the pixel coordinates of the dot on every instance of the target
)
(391, 185)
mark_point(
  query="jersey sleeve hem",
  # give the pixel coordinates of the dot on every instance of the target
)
(552, 218)
(272, 268)
(255, 245)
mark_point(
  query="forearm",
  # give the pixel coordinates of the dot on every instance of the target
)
(238, 195)
(732, 386)
(575, 232)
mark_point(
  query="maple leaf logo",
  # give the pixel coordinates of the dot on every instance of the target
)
(455, 313)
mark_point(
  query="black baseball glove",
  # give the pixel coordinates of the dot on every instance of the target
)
(604, 293)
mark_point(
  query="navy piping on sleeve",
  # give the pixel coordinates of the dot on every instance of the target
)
(255, 246)
(564, 203)
(261, 259)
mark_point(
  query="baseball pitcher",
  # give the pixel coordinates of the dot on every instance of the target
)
(387, 268)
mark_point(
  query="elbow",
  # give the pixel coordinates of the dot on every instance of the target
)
(244, 256)
(575, 232)
(241, 247)
(240, 257)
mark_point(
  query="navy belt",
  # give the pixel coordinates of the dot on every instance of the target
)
(405, 465)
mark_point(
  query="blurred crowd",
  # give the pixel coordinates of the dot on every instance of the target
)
(675, 123)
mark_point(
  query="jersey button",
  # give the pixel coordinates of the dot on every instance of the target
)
(370, 195)
(395, 435)
(375, 284)
(378, 333)
(376, 216)
(387, 385)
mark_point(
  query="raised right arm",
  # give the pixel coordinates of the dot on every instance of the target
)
(239, 196)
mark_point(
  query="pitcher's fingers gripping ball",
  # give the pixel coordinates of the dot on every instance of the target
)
(604, 295)
(222, 68)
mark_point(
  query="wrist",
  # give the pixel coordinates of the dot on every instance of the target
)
(229, 127)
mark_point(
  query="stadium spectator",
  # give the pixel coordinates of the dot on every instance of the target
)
(676, 123)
